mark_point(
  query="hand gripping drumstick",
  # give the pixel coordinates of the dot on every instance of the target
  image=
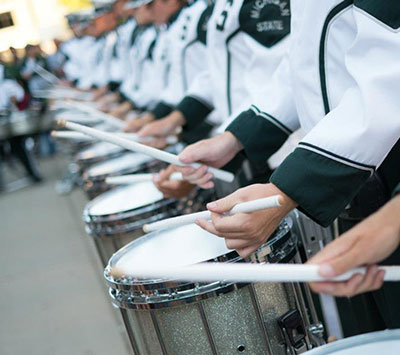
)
(141, 148)
(241, 272)
(245, 207)
(132, 136)
(132, 178)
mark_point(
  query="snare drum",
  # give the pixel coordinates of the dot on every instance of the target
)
(386, 342)
(116, 217)
(128, 163)
(97, 153)
(170, 317)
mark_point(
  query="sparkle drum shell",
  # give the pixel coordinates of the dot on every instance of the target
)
(171, 317)
(385, 342)
(128, 163)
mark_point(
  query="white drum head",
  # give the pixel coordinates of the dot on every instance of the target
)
(125, 198)
(386, 342)
(98, 150)
(183, 245)
(126, 161)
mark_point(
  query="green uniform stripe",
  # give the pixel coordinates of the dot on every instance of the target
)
(321, 186)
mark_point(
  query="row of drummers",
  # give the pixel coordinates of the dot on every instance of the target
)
(171, 317)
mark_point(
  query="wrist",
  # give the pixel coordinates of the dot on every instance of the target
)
(234, 143)
(177, 119)
(287, 203)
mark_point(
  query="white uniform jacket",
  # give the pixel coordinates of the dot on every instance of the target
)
(139, 86)
(246, 40)
(185, 54)
(340, 82)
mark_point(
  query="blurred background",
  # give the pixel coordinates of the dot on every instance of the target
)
(25, 22)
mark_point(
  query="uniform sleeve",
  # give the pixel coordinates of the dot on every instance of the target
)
(198, 103)
(397, 190)
(336, 157)
(272, 117)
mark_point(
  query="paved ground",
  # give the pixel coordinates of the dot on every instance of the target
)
(53, 300)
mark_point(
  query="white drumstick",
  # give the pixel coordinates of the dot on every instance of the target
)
(104, 116)
(245, 207)
(131, 136)
(144, 149)
(241, 272)
(132, 178)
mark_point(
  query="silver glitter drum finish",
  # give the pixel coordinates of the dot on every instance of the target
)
(170, 317)
(97, 153)
(128, 163)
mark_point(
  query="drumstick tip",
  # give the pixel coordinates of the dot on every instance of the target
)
(61, 123)
(117, 272)
(145, 228)
(280, 200)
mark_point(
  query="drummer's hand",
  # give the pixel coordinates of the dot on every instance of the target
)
(137, 123)
(370, 242)
(164, 127)
(246, 232)
(121, 110)
(216, 152)
(171, 188)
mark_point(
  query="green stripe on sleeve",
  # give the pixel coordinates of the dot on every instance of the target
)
(321, 186)
(260, 137)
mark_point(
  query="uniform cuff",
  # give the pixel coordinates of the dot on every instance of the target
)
(321, 186)
(161, 110)
(259, 136)
(194, 110)
(396, 190)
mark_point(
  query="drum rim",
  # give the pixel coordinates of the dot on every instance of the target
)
(99, 158)
(152, 163)
(362, 339)
(188, 292)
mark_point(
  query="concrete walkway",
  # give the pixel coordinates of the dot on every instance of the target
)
(53, 299)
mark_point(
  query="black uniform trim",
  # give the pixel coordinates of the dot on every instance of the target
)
(385, 11)
(396, 190)
(322, 48)
(257, 150)
(161, 110)
(321, 186)
(194, 110)
(228, 70)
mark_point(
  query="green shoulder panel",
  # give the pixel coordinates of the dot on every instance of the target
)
(267, 21)
(202, 24)
(385, 11)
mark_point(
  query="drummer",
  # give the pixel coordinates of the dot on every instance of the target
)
(176, 23)
(138, 64)
(337, 96)
(368, 243)
(233, 73)
(11, 93)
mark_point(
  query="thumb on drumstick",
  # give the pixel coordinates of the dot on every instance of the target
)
(224, 204)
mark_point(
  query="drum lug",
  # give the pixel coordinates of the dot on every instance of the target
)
(294, 333)
(316, 332)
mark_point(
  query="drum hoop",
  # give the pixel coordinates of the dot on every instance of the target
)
(363, 339)
(162, 293)
(118, 223)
